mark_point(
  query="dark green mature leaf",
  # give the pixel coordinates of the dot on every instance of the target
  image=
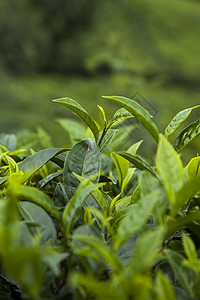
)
(33, 163)
(81, 112)
(187, 135)
(60, 197)
(3, 180)
(36, 196)
(83, 160)
(9, 141)
(137, 161)
(170, 167)
(141, 114)
(49, 178)
(34, 213)
(178, 120)
(185, 276)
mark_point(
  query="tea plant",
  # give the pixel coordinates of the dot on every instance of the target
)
(95, 222)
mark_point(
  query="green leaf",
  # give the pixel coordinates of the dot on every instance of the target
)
(193, 168)
(53, 259)
(84, 160)
(3, 180)
(38, 197)
(75, 129)
(34, 213)
(122, 166)
(97, 195)
(137, 161)
(141, 114)
(136, 217)
(178, 120)
(104, 250)
(164, 288)
(25, 266)
(189, 247)
(133, 148)
(187, 135)
(185, 276)
(103, 114)
(101, 290)
(181, 222)
(9, 141)
(72, 210)
(170, 167)
(184, 194)
(120, 115)
(33, 163)
(81, 112)
(147, 251)
(107, 139)
(48, 179)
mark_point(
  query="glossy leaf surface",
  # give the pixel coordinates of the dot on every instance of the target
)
(80, 112)
(140, 113)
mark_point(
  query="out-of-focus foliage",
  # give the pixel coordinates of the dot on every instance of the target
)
(151, 38)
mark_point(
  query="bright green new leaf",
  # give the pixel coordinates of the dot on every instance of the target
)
(72, 210)
(189, 247)
(133, 148)
(193, 168)
(81, 112)
(164, 288)
(120, 115)
(101, 290)
(104, 115)
(97, 195)
(25, 266)
(187, 135)
(141, 114)
(170, 167)
(122, 166)
(137, 161)
(178, 120)
(184, 194)
(84, 160)
(33, 163)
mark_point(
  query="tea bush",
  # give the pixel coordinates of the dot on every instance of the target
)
(95, 222)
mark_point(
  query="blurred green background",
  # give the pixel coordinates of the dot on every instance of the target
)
(84, 49)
